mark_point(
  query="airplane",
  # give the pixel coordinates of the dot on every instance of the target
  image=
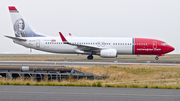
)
(106, 47)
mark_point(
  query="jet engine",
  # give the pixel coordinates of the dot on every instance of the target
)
(108, 53)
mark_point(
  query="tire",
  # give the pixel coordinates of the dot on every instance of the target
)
(90, 57)
(156, 58)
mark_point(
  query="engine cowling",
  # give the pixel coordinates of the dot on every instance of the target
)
(108, 53)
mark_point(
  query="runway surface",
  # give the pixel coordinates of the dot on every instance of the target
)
(55, 93)
(102, 62)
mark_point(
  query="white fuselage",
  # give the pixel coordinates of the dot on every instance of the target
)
(55, 44)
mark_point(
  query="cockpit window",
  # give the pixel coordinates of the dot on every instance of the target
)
(163, 44)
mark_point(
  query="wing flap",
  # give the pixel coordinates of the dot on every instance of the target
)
(85, 48)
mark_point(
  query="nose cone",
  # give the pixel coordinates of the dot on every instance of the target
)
(171, 48)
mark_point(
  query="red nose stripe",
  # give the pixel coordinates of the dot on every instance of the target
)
(12, 8)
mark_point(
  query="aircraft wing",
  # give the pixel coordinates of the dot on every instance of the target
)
(16, 38)
(81, 47)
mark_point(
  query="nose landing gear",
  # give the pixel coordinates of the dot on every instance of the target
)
(157, 58)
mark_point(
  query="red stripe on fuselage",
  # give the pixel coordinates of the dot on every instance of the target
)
(147, 46)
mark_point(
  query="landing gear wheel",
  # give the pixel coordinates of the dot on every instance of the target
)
(156, 58)
(90, 57)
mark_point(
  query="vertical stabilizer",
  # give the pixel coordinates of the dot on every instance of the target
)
(20, 25)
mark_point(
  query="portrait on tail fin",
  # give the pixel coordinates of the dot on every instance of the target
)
(19, 26)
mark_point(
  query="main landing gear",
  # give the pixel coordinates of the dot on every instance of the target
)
(90, 57)
(157, 58)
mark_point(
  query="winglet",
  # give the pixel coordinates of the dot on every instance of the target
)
(63, 38)
(71, 35)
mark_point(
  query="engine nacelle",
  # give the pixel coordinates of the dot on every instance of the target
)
(108, 53)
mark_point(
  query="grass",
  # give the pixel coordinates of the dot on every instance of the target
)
(137, 76)
(85, 84)
(128, 76)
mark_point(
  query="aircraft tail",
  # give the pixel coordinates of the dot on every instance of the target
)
(20, 25)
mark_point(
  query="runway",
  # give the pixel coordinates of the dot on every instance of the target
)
(102, 62)
(57, 93)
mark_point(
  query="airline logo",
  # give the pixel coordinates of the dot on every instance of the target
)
(53, 40)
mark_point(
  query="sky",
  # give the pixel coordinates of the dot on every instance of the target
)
(158, 19)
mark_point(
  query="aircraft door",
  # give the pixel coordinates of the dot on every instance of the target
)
(154, 44)
(38, 43)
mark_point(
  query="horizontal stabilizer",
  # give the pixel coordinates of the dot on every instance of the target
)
(16, 38)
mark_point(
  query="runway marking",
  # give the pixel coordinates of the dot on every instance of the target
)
(85, 63)
(90, 94)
